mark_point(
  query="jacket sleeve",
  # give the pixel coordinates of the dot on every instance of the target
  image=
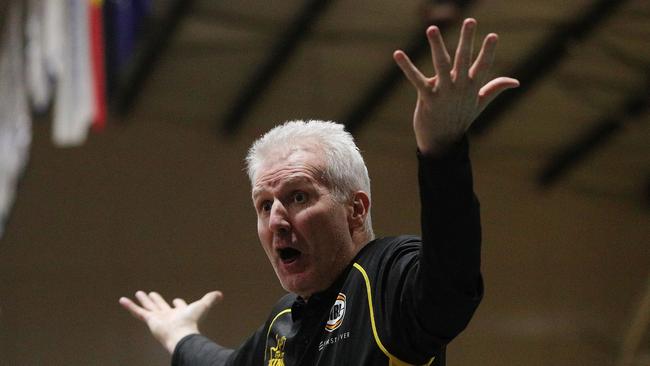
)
(448, 278)
(197, 350)
(433, 289)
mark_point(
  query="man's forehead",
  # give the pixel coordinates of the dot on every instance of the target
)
(292, 179)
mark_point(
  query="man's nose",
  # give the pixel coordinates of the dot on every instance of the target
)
(278, 220)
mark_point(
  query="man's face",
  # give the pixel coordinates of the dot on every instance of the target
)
(303, 229)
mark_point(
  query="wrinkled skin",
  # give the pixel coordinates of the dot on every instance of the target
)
(295, 209)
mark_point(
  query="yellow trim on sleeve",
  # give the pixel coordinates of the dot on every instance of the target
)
(392, 360)
(266, 342)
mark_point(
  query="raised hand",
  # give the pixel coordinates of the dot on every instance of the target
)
(169, 324)
(450, 101)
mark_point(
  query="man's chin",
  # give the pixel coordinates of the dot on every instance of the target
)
(297, 284)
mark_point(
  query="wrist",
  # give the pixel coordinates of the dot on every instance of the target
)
(172, 339)
(441, 147)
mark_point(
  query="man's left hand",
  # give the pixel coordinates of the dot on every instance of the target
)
(450, 101)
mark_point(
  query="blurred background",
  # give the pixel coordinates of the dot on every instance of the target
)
(124, 125)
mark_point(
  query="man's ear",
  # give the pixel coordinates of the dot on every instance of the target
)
(359, 208)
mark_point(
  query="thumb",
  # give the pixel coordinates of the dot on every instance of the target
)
(492, 89)
(200, 307)
(211, 298)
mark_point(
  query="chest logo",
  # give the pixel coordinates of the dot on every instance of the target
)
(277, 352)
(337, 312)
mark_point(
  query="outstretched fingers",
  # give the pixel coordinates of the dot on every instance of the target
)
(135, 310)
(159, 301)
(146, 301)
(440, 56)
(463, 57)
(481, 67)
(410, 71)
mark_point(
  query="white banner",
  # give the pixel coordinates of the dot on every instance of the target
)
(15, 119)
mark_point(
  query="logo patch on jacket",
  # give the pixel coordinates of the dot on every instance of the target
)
(277, 352)
(337, 312)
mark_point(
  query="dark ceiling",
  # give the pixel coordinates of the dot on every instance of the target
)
(579, 121)
(562, 166)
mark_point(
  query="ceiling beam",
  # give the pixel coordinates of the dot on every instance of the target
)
(146, 58)
(545, 58)
(285, 46)
(381, 90)
(635, 105)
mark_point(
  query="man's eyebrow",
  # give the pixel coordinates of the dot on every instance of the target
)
(287, 181)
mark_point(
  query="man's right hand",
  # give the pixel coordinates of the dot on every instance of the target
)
(170, 324)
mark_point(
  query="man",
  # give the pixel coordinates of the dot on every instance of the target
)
(354, 299)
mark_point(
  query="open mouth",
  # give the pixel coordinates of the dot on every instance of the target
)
(288, 255)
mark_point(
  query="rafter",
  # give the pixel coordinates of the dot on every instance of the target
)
(382, 89)
(280, 53)
(145, 60)
(635, 105)
(545, 58)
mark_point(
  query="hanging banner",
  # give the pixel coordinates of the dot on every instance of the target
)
(15, 119)
(97, 62)
(73, 106)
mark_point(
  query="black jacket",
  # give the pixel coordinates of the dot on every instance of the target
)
(399, 302)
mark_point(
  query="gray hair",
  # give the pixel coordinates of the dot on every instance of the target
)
(344, 171)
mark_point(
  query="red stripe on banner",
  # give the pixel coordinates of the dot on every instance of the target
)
(97, 60)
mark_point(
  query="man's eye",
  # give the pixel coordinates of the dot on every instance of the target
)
(266, 206)
(300, 197)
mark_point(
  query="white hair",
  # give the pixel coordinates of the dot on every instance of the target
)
(345, 171)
